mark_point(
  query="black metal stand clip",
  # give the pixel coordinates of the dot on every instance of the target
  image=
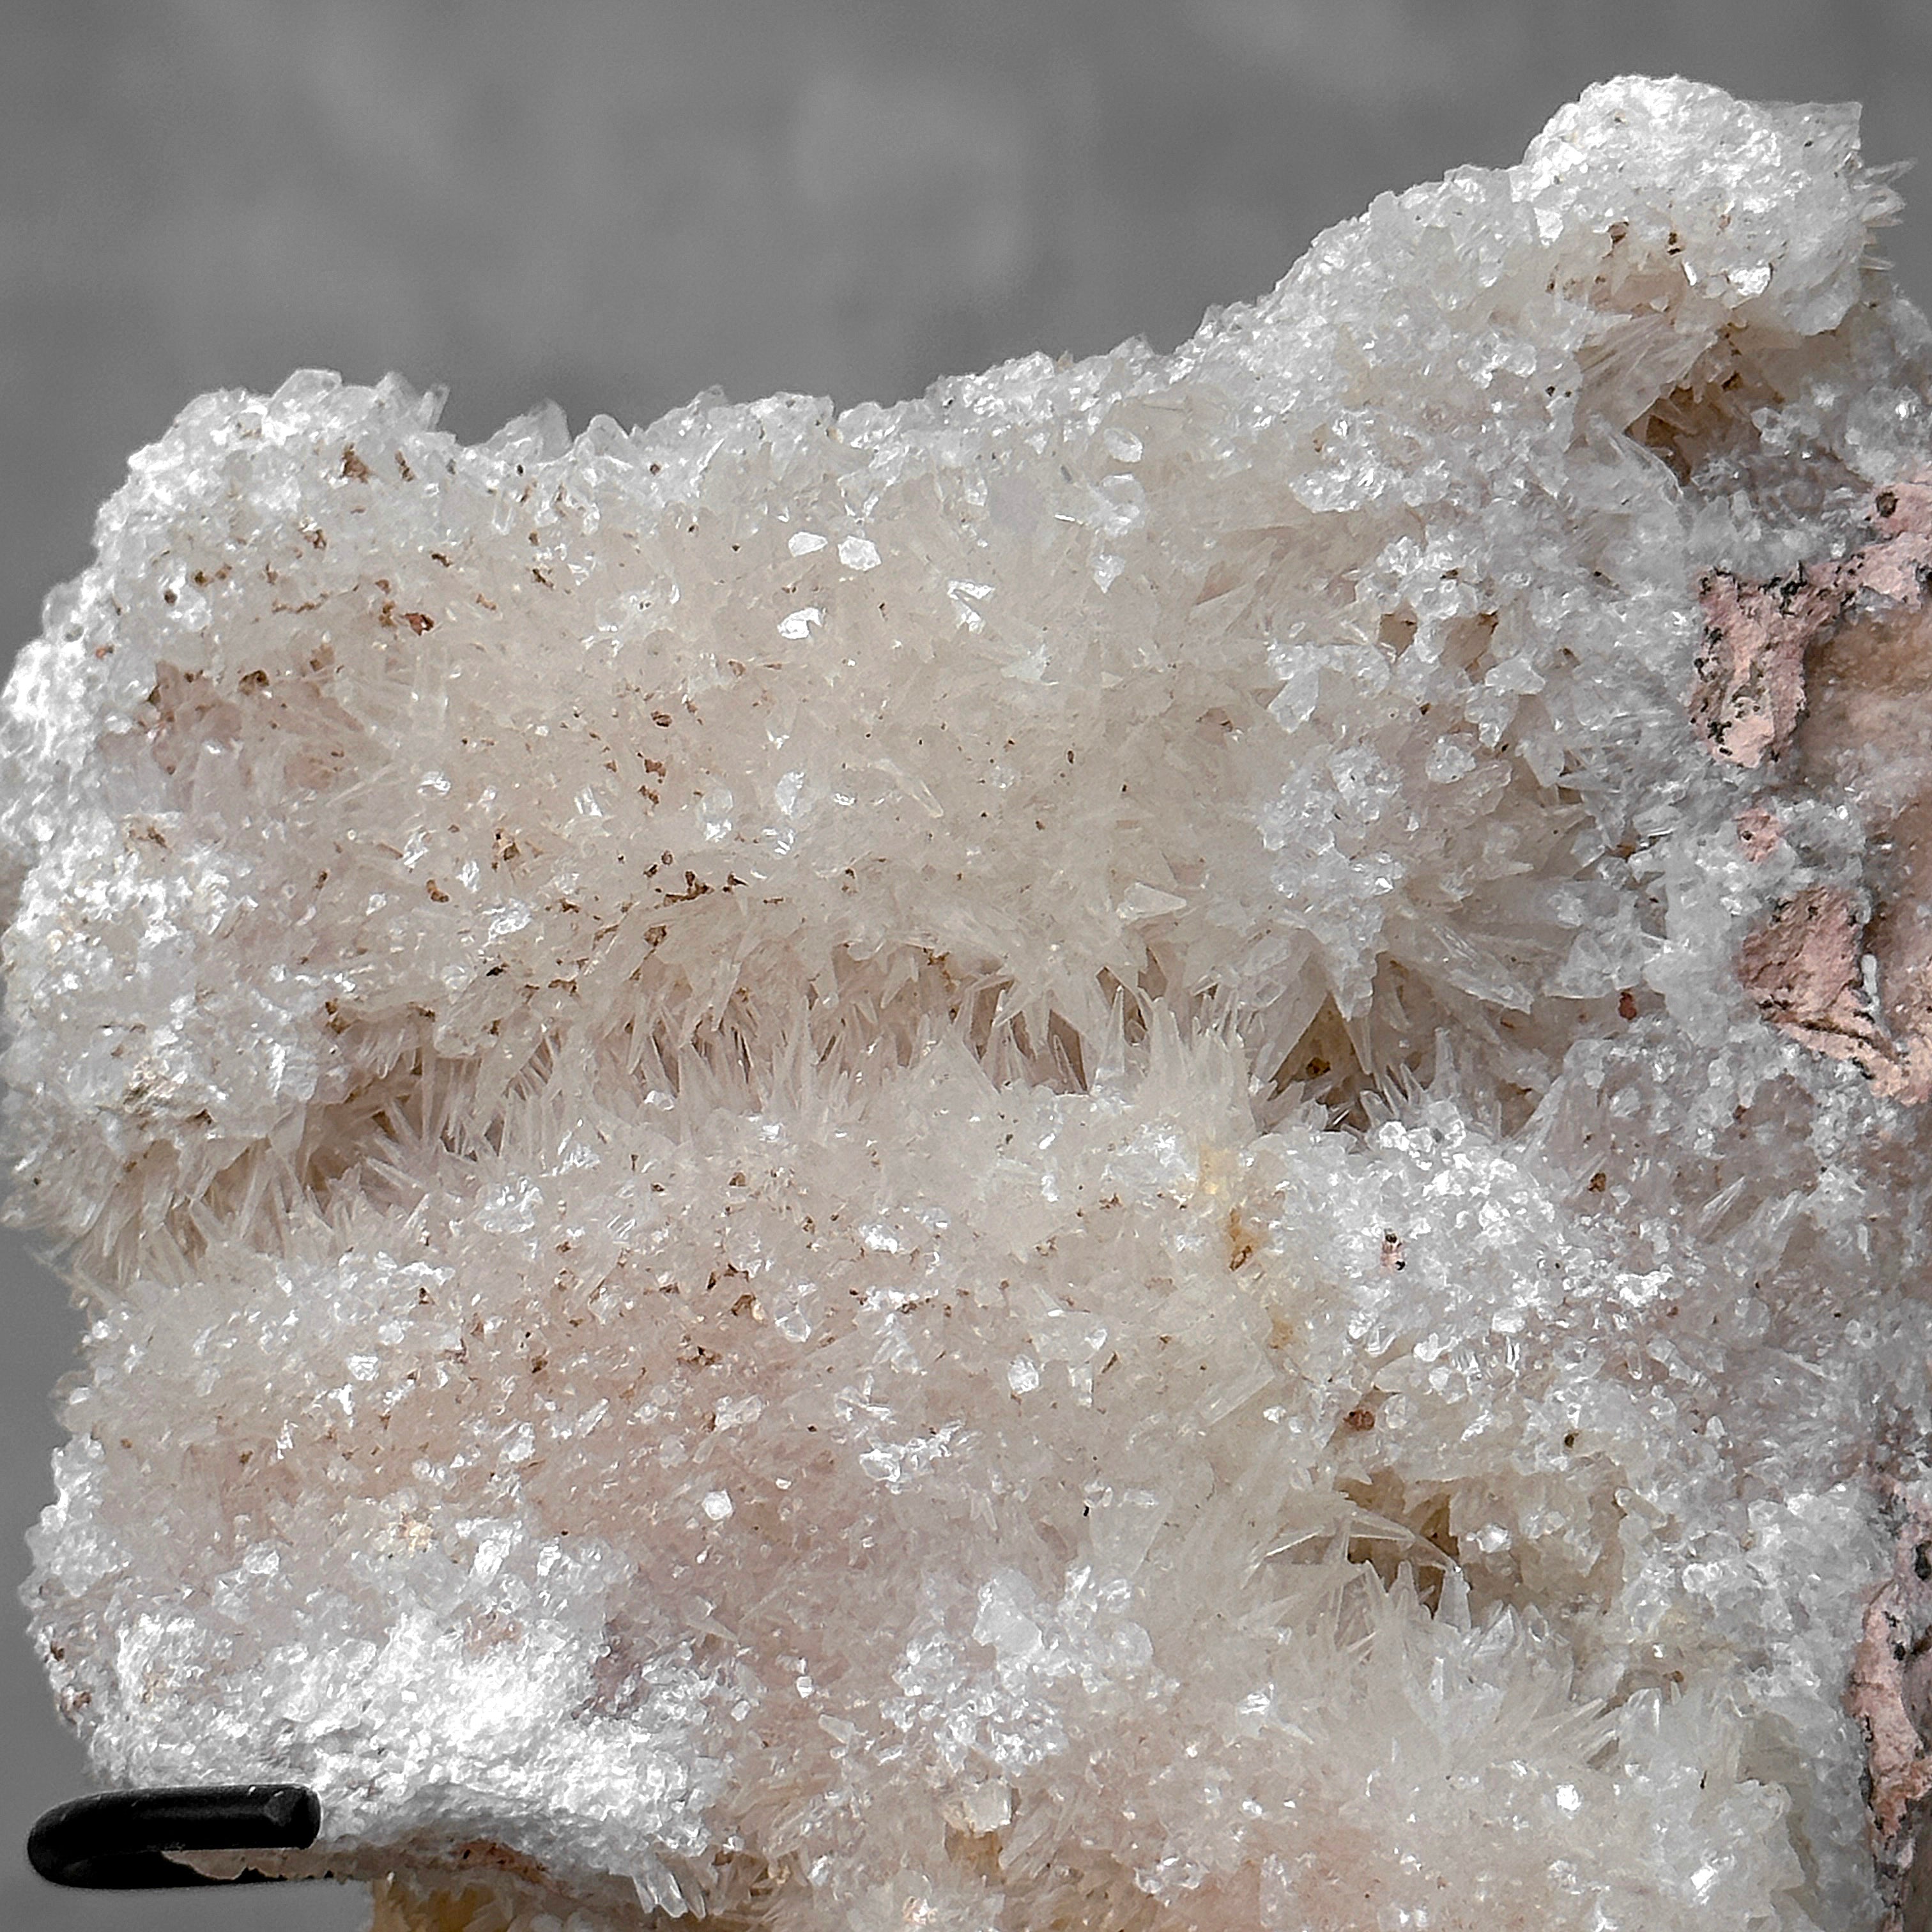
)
(117, 1841)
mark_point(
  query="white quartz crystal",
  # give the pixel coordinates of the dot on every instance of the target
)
(1136, 1147)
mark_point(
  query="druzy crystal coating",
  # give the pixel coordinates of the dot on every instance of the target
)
(1134, 1147)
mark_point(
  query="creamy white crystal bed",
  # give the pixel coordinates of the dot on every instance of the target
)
(1140, 1148)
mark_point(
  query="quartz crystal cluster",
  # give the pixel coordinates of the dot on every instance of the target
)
(1138, 1147)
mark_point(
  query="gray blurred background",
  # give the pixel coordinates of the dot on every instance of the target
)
(616, 203)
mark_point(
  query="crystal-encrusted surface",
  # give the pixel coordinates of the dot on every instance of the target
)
(1131, 1148)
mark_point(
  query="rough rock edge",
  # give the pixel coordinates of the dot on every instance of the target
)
(1747, 693)
(1890, 1697)
(1804, 968)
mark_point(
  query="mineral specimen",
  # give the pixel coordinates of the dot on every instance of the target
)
(1134, 1148)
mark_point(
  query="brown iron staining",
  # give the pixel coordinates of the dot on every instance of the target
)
(1831, 667)
(1759, 832)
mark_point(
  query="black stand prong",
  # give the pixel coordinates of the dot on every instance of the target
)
(116, 1841)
